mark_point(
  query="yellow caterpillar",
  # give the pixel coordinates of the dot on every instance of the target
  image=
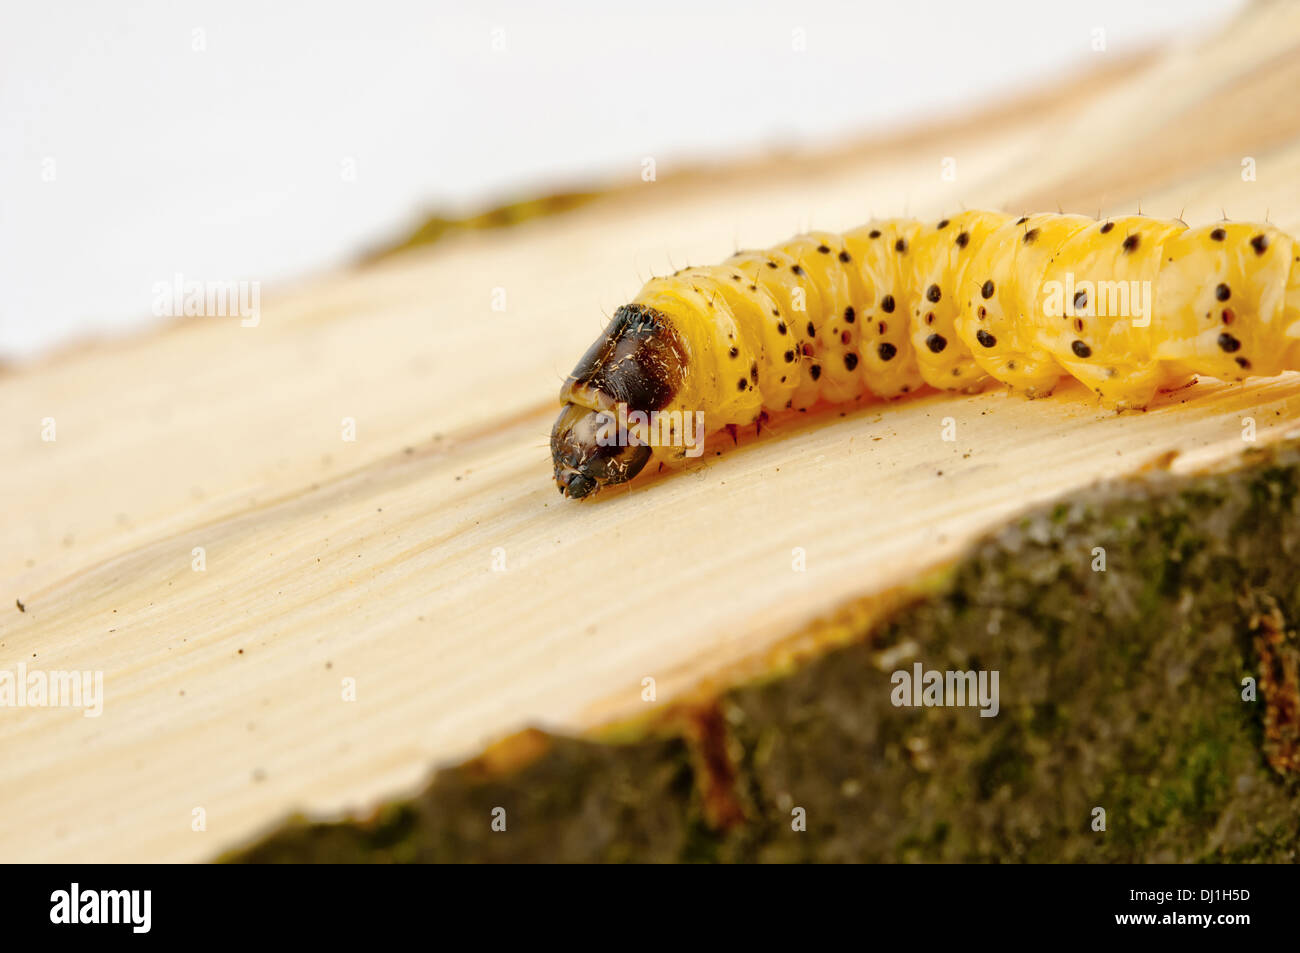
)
(1128, 305)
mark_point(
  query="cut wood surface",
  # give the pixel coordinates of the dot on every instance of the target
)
(371, 560)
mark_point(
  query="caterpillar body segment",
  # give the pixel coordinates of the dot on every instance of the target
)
(1129, 306)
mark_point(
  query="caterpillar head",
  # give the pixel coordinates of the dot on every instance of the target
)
(585, 456)
(636, 364)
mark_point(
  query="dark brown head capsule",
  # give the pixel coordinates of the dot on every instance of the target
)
(637, 362)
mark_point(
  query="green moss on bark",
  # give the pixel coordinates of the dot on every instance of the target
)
(1119, 689)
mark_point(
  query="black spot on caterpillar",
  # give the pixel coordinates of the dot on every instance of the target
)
(1129, 306)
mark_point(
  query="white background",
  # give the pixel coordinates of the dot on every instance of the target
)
(226, 163)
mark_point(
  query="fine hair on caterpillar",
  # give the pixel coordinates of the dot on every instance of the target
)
(1129, 306)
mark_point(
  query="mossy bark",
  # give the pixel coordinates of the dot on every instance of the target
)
(1120, 688)
(436, 227)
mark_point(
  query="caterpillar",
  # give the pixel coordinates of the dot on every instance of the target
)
(1129, 306)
